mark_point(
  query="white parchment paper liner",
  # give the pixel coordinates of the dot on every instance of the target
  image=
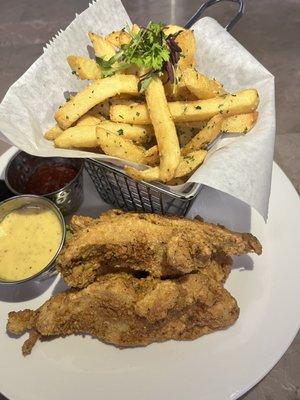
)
(240, 165)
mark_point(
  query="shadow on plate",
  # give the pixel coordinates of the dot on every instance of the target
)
(243, 263)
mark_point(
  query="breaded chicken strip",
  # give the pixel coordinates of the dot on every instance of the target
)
(158, 245)
(127, 311)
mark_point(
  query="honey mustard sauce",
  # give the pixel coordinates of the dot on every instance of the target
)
(29, 239)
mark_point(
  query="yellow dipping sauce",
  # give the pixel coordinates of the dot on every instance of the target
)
(29, 239)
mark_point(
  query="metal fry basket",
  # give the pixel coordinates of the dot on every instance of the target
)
(119, 190)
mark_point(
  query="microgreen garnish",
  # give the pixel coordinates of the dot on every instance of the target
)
(150, 49)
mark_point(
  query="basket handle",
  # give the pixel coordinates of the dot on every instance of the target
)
(209, 3)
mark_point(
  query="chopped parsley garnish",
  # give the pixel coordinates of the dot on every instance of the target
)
(120, 132)
(150, 49)
(198, 107)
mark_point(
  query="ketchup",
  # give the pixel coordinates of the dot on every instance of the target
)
(48, 178)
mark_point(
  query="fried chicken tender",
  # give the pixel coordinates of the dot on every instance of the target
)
(125, 311)
(158, 245)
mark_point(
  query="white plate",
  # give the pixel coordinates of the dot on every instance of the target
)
(220, 366)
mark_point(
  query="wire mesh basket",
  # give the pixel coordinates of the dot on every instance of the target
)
(119, 190)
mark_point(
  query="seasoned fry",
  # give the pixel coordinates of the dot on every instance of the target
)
(164, 129)
(147, 175)
(130, 114)
(118, 38)
(241, 123)
(135, 29)
(95, 93)
(53, 133)
(117, 146)
(152, 156)
(200, 85)
(186, 165)
(176, 181)
(102, 48)
(89, 119)
(172, 29)
(139, 134)
(242, 102)
(77, 137)
(179, 91)
(159, 100)
(187, 42)
(205, 136)
(84, 67)
(190, 162)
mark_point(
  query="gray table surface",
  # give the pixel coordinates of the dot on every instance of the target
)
(270, 30)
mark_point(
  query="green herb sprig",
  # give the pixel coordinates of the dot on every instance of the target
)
(150, 49)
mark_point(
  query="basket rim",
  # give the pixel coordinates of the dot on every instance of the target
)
(188, 195)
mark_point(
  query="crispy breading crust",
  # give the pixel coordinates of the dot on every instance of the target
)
(127, 311)
(158, 245)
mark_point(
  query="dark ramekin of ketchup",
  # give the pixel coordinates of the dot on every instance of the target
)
(57, 178)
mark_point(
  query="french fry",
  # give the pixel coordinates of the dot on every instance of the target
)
(245, 101)
(139, 134)
(89, 119)
(152, 156)
(118, 38)
(147, 175)
(178, 90)
(190, 162)
(96, 92)
(187, 42)
(84, 67)
(176, 181)
(138, 114)
(164, 129)
(135, 29)
(77, 137)
(117, 146)
(102, 48)
(186, 165)
(200, 85)
(205, 136)
(102, 109)
(172, 29)
(53, 132)
(241, 123)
